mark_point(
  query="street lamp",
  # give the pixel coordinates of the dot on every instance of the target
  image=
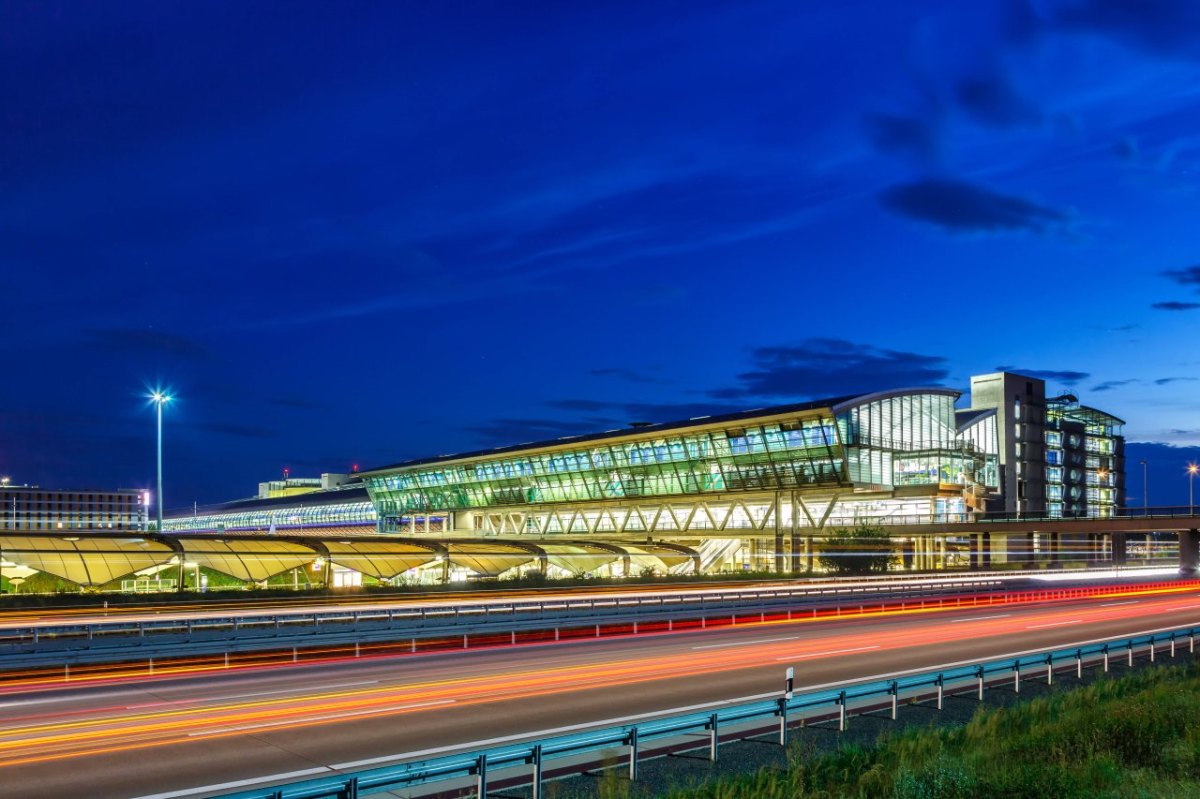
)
(1192, 469)
(159, 398)
(1145, 488)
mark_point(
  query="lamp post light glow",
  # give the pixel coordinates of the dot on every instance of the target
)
(159, 398)
(1192, 469)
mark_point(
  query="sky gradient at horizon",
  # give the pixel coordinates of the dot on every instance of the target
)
(357, 233)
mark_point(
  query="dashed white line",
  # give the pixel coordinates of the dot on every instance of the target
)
(1126, 602)
(981, 618)
(748, 643)
(1053, 624)
(807, 655)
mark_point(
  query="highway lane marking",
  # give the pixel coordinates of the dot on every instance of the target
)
(809, 655)
(1184, 607)
(748, 643)
(327, 717)
(225, 786)
(247, 696)
(981, 618)
(72, 698)
(1126, 602)
(1053, 624)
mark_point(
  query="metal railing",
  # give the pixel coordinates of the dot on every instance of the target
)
(525, 764)
(135, 640)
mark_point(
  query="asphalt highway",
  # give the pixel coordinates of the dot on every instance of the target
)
(162, 737)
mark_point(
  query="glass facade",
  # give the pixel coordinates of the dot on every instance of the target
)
(296, 516)
(880, 441)
(912, 439)
(1085, 459)
(784, 454)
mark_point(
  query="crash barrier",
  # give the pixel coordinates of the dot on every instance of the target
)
(531, 763)
(75, 652)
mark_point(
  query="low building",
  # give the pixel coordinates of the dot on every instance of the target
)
(26, 507)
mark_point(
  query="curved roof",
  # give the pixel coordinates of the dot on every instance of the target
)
(86, 560)
(640, 431)
(251, 560)
(382, 560)
(877, 396)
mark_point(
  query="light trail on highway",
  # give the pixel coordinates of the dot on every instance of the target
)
(17, 681)
(90, 725)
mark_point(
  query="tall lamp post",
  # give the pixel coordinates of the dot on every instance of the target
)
(1145, 488)
(1192, 469)
(159, 398)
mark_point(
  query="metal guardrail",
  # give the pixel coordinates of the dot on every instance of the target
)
(117, 640)
(1001, 517)
(525, 763)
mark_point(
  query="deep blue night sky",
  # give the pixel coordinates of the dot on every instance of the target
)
(356, 233)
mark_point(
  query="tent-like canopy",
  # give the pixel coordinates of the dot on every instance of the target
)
(86, 560)
(490, 558)
(379, 559)
(578, 557)
(252, 560)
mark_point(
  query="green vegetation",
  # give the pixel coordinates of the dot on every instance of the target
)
(1138, 736)
(862, 549)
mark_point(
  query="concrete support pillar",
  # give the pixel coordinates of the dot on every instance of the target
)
(1189, 552)
(1028, 553)
(940, 541)
(808, 554)
(779, 554)
(1118, 549)
(981, 551)
(906, 554)
(1055, 545)
(796, 564)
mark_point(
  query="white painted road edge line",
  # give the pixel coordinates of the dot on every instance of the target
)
(537, 734)
(227, 786)
(1053, 624)
(981, 618)
(748, 643)
(810, 655)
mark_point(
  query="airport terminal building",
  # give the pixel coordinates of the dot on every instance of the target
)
(754, 490)
(898, 455)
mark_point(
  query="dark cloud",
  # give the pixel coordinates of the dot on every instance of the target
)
(904, 136)
(147, 342)
(1066, 376)
(506, 431)
(1162, 381)
(1188, 276)
(991, 100)
(1165, 27)
(237, 430)
(825, 366)
(620, 413)
(961, 206)
(297, 402)
(1109, 385)
(624, 373)
(1172, 305)
(1126, 148)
